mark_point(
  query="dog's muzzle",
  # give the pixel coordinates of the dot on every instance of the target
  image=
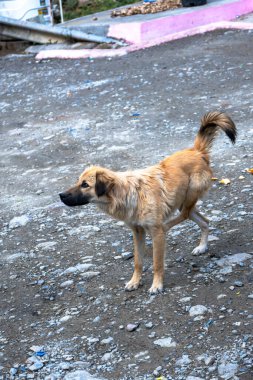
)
(74, 200)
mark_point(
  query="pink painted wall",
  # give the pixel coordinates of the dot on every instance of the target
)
(144, 31)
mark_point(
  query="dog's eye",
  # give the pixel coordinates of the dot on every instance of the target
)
(84, 184)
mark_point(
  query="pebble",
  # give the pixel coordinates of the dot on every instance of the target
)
(106, 341)
(239, 284)
(19, 221)
(13, 371)
(78, 268)
(65, 318)
(127, 255)
(197, 310)
(250, 296)
(165, 342)
(36, 366)
(106, 357)
(90, 274)
(66, 284)
(132, 326)
(149, 325)
(157, 371)
(183, 361)
(227, 370)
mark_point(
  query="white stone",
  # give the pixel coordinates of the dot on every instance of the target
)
(65, 318)
(237, 258)
(165, 342)
(36, 366)
(107, 340)
(78, 268)
(212, 238)
(227, 370)
(36, 348)
(46, 245)
(183, 361)
(197, 310)
(80, 375)
(220, 296)
(89, 274)
(19, 221)
(65, 284)
(106, 357)
(185, 299)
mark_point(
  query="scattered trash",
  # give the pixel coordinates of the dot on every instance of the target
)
(250, 170)
(225, 181)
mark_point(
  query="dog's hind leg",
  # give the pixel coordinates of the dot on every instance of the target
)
(177, 220)
(139, 248)
(158, 237)
(203, 223)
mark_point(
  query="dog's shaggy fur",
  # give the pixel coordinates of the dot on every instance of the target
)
(146, 199)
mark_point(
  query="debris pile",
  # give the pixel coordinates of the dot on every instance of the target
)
(159, 6)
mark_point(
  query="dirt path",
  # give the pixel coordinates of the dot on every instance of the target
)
(62, 273)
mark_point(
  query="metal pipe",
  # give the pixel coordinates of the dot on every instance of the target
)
(61, 11)
(30, 31)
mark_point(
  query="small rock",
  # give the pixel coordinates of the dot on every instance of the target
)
(250, 296)
(227, 370)
(19, 221)
(65, 318)
(220, 296)
(132, 326)
(197, 310)
(185, 299)
(64, 366)
(157, 371)
(209, 360)
(239, 284)
(106, 357)
(36, 366)
(149, 325)
(90, 274)
(127, 255)
(183, 361)
(66, 284)
(165, 342)
(106, 341)
(13, 371)
(36, 348)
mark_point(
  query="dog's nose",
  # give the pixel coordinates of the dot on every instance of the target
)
(63, 195)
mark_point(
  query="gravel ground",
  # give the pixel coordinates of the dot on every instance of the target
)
(64, 312)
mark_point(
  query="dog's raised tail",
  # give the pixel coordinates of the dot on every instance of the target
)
(211, 124)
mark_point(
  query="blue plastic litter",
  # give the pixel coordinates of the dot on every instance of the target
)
(40, 353)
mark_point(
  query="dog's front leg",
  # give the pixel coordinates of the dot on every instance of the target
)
(158, 237)
(139, 248)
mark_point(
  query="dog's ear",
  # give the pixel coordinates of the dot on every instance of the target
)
(104, 183)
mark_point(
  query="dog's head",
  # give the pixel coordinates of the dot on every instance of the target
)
(94, 185)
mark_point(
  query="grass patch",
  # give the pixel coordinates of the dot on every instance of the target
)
(73, 10)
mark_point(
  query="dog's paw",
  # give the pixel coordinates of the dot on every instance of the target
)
(131, 285)
(155, 289)
(199, 250)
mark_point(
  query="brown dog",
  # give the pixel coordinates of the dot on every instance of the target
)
(146, 199)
